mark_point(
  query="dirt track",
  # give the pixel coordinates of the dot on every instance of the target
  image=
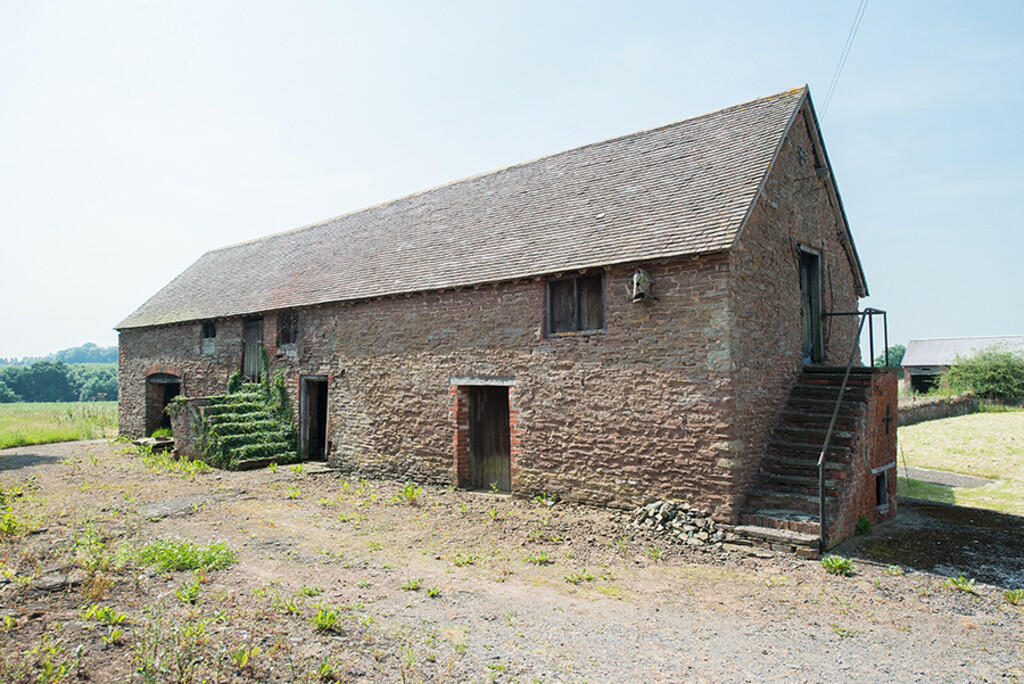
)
(689, 616)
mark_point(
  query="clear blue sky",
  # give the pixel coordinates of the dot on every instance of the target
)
(134, 136)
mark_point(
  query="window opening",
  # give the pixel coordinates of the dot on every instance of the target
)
(287, 327)
(882, 489)
(209, 330)
(576, 304)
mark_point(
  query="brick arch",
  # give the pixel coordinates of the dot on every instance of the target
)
(163, 368)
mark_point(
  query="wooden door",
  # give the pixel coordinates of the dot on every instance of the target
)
(810, 307)
(489, 445)
(252, 341)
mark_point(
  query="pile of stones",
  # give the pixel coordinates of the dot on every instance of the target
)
(681, 522)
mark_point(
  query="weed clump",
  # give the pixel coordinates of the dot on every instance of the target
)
(837, 565)
(961, 584)
(169, 555)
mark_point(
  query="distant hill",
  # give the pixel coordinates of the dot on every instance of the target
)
(87, 353)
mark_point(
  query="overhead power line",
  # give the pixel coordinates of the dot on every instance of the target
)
(842, 57)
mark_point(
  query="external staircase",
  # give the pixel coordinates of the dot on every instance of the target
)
(244, 431)
(781, 509)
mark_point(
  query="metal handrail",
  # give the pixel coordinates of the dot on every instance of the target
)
(865, 315)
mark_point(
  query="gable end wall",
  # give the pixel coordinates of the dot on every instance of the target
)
(764, 280)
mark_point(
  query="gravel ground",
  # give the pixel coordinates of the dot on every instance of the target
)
(610, 604)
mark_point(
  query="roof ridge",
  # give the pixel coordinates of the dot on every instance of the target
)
(493, 172)
(966, 337)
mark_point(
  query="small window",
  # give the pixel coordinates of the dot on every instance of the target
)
(287, 328)
(208, 345)
(576, 304)
(882, 489)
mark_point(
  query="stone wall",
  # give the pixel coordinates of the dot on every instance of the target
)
(675, 399)
(765, 302)
(612, 418)
(173, 350)
(920, 410)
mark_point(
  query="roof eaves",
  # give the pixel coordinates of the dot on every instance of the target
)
(126, 325)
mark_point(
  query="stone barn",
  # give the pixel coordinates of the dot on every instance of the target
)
(647, 317)
(927, 362)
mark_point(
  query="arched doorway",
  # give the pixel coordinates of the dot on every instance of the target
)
(161, 388)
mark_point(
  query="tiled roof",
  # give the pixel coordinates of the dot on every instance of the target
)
(942, 351)
(681, 189)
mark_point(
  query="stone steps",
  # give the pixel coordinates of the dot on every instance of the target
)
(781, 509)
(777, 539)
(784, 519)
(813, 435)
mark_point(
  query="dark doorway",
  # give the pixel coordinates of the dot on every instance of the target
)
(161, 388)
(810, 307)
(252, 341)
(489, 446)
(314, 418)
(923, 383)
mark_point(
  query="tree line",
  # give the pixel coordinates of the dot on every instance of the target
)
(58, 381)
(86, 353)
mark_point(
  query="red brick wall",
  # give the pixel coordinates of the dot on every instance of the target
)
(876, 449)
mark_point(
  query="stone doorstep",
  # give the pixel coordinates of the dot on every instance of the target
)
(777, 536)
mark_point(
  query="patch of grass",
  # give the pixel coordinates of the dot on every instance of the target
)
(1014, 596)
(168, 555)
(326, 619)
(842, 632)
(409, 493)
(103, 614)
(188, 592)
(961, 584)
(24, 423)
(981, 444)
(539, 558)
(412, 584)
(579, 577)
(655, 553)
(863, 525)
(92, 552)
(894, 570)
(837, 565)
(462, 559)
(434, 592)
(311, 591)
(244, 658)
(164, 461)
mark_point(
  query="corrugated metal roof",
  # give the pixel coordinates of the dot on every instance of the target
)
(685, 188)
(942, 351)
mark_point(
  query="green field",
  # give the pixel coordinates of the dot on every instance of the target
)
(41, 423)
(989, 445)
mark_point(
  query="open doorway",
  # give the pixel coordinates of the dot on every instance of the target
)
(313, 403)
(161, 388)
(810, 307)
(489, 445)
(252, 341)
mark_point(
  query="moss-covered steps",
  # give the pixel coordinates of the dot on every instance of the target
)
(249, 428)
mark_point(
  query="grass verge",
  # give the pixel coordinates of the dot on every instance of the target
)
(989, 445)
(24, 423)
